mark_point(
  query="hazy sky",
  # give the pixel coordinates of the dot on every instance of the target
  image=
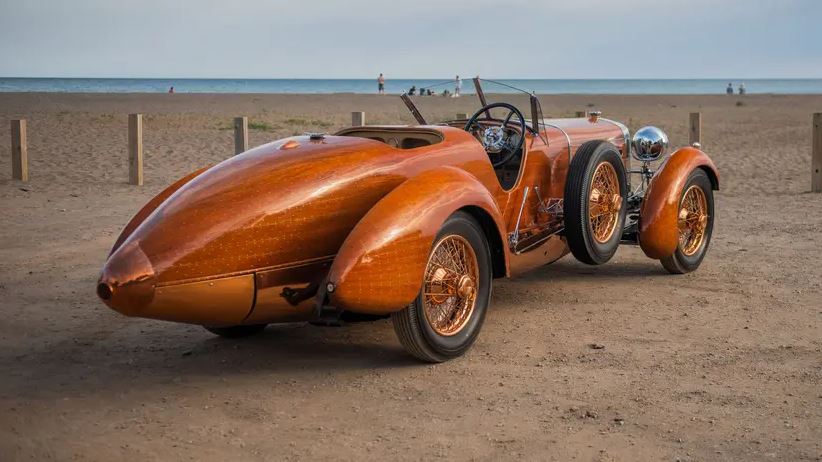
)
(413, 38)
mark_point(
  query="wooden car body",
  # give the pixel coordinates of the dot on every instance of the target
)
(346, 222)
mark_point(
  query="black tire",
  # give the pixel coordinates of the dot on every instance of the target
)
(581, 240)
(236, 331)
(679, 263)
(411, 324)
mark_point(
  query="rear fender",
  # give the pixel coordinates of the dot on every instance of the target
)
(380, 266)
(658, 231)
(152, 205)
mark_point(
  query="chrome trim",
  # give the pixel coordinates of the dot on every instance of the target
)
(538, 242)
(567, 138)
(650, 143)
(513, 239)
(626, 134)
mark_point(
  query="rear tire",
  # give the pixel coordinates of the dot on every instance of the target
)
(447, 315)
(689, 254)
(236, 331)
(595, 202)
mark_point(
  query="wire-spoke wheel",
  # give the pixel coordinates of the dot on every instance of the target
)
(446, 317)
(692, 220)
(695, 222)
(604, 202)
(595, 198)
(450, 285)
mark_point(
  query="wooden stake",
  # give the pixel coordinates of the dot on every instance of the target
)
(816, 156)
(358, 119)
(135, 149)
(19, 151)
(695, 130)
(240, 135)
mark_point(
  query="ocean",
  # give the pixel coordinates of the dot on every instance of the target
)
(396, 86)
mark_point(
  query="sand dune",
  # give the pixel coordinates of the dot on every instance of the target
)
(724, 363)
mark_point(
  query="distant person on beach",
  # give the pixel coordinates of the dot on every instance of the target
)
(171, 89)
(412, 91)
(457, 87)
(429, 92)
(381, 84)
(730, 89)
(742, 90)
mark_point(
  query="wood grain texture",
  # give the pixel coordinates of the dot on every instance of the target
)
(19, 151)
(135, 149)
(357, 119)
(658, 231)
(240, 135)
(283, 213)
(695, 128)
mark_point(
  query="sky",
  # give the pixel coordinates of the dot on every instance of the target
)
(411, 39)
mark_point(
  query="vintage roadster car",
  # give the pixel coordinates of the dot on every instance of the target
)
(411, 222)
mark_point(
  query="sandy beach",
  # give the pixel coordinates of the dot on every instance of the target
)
(721, 364)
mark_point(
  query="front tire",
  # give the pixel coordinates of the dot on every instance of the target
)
(595, 202)
(236, 331)
(695, 223)
(447, 315)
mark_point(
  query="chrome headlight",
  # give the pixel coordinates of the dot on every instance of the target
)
(650, 143)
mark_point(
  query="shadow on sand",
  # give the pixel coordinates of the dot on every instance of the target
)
(141, 353)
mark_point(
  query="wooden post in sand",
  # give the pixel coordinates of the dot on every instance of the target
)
(695, 130)
(358, 119)
(461, 116)
(19, 151)
(135, 149)
(816, 154)
(240, 135)
(580, 114)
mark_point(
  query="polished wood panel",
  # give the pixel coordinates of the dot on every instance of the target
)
(273, 303)
(152, 205)
(289, 201)
(658, 231)
(380, 266)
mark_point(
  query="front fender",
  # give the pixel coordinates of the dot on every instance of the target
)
(151, 206)
(380, 266)
(658, 230)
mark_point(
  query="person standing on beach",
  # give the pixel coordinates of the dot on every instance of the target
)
(381, 84)
(457, 87)
(742, 88)
(730, 89)
(171, 89)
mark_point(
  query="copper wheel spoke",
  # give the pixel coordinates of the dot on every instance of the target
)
(694, 207)
(604, 202)
(450, 282)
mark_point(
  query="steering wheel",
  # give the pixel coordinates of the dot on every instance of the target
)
(497, 140)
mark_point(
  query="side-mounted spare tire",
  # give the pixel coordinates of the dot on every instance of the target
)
(595, 202)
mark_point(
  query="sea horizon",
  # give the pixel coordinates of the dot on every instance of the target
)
(395, 86)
